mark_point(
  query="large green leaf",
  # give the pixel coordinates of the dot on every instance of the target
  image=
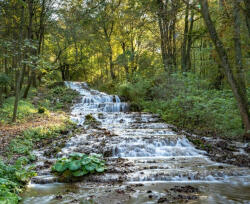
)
(78, 173)
(90, 167)
(74, 165)
(60, 167)
(96, 160)
(85, 161)
(100, 169)
(76, 155)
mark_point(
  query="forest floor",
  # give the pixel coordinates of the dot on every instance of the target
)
(9, 132)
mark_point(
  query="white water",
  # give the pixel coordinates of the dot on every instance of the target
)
(158, 154)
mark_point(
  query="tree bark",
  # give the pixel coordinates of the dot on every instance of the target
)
(184, 43)
(247, 14)
(189, 42)
(235, 86)
(26, 91)
(18, 75)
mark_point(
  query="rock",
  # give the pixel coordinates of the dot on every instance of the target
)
(162, 200)
(58, 197)
(185, 189)
(64, 132)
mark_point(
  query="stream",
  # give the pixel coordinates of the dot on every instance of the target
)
(147, 161)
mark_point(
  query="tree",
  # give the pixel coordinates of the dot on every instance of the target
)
(237, 83)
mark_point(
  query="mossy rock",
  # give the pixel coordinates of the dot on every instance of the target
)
(90, 120)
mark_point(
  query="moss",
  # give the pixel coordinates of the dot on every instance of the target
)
(90, 120)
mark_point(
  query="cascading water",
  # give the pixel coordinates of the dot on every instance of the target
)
(155, 156)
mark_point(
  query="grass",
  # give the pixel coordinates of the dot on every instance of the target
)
(25, 109)
(41, 101)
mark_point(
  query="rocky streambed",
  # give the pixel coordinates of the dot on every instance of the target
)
(147, 161)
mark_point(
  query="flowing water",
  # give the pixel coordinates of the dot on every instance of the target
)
(146, 160)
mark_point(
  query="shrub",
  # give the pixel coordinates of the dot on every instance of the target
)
(186, 101)
(60, 97)
(12, 179)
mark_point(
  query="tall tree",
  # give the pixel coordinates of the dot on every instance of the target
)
(236, 83)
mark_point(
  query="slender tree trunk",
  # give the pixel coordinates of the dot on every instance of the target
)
(247, 14)
(6, 72)
(1, 96)
(111, 63)
(19, 75)
(26, 91)
(22, 78)
(31, 50)
(190, 41)
(235, 86)
(125, 65)
(163, 46)
(184, 43)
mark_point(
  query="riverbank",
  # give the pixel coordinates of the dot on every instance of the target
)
(43, 120)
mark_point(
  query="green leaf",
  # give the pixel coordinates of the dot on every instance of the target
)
(90, 167)
(76, 155)
(100, 169)
(74, 165)
(96, 160)
(85, 161)
(60, 167)
(78, 173)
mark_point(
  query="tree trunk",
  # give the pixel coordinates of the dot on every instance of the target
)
(31, 50)
(184, 43)
(26, 91)
(247, 14)
(111, 63)
(189, 43)
(240, 75)
(125, 64)
(18, 75)
(235, 86)
(1, 96)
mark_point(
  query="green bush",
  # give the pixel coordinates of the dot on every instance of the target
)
(60, 97)
(12, 179)
(78, 165)
(186, 101)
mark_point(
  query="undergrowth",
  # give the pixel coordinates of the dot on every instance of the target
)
(25, 109)
(184, 100)
(41, 101)
(24, 144)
